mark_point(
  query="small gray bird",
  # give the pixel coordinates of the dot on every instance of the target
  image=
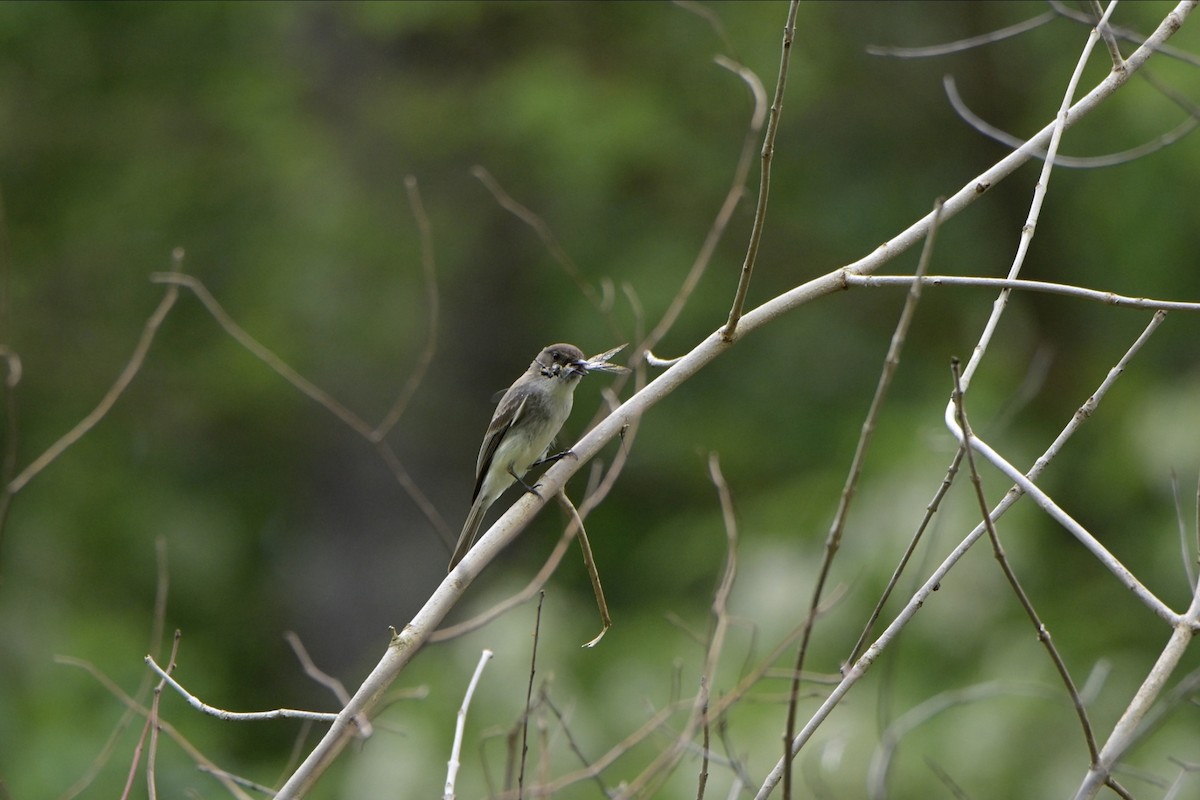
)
(526, 421)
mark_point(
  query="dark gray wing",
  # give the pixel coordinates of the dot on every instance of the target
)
(506, 414)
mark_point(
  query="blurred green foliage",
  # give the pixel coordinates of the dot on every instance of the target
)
(272, 143)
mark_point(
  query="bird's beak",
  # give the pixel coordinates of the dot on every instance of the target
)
(579, 366)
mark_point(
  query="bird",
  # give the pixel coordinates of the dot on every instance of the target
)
(527, 418)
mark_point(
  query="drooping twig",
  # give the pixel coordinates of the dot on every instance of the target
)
(589, 563)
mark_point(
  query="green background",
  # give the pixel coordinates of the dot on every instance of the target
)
(272, 142)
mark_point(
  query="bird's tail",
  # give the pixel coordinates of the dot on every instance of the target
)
(469, 532)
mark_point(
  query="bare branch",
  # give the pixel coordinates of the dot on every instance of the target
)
(764, 184)
(1047, 287)
(113, 394)
(325, 679)
(237, 716)
(543, 231)
(1073, 162)
(431, 307)
(863, 664)
(460, 725)
(312, 391)
(202, 761)
(1039, 196)
(1043, 633)
(732, 197)
(933, 50)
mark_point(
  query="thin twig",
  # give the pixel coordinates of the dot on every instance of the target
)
(702, 781)
(130, 703)
(431, 307)
(764, 185)
(309, 389)
(1043, 633)
(543, 231)
(1048, 287)
(155, 644)
(1071, 162)
(960, 45)
(1130, 725)
(733, 196)
(241, 716)
(460, 725)
(152, 722)
(263, 353)
(1110, 40)
(537, 632)
(545, 699)
(669, 757)
(1035, 205)
(902, 726)
(1047, 504)
(325, 679)
(114, 393)
(931, 508)
(589, 562)
(1127, 34)
(720, 604)
(1189, 561)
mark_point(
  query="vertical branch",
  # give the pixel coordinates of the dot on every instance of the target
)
(460, 725)
(1039, 197)
(716, 643)
(537, 630)
(732, 197)
(768, 152)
